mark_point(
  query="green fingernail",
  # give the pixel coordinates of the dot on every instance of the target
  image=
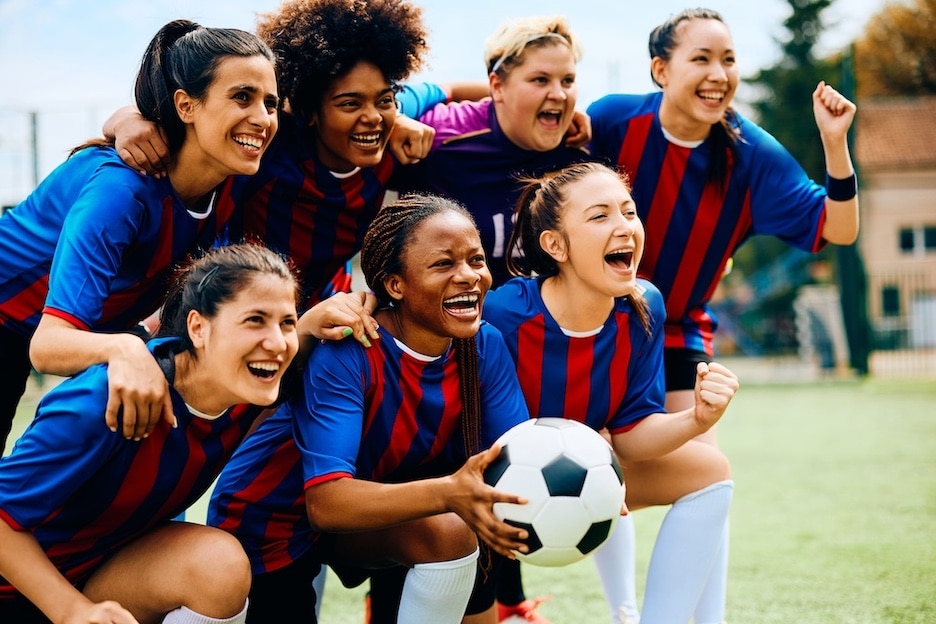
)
(347, 331)
(365, 341)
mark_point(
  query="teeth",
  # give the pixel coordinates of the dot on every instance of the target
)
(472, 299)
(263, 369)
(713, 97)
(250, 142)
(366, 138)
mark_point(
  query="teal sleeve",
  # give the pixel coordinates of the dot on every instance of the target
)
(416, 100)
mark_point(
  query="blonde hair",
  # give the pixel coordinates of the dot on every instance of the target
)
(505, 48)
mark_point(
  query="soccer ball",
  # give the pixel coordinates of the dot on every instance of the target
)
(573, 483)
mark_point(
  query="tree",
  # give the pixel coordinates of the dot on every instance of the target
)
(896, 55)
(785, 108)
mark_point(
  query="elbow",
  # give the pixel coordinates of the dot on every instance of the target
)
(320, 522)
(842, 237)
(40, 356)
(324, 516)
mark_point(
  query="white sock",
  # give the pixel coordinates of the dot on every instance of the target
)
(318, 584)
(184, 615)
(684, 554)
(438, 592)
(616, 564)
(711, 607)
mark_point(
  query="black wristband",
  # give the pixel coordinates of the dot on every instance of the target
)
(841, 189)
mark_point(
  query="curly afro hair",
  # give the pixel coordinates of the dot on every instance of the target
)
(318, 41)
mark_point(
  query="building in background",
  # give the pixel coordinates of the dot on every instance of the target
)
(895, 151)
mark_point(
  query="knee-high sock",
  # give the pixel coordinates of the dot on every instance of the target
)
(616, 564)
(684, 554)
(711, 607)
(184, 615)
(438, 592)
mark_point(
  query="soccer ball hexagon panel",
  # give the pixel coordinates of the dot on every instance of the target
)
(573, 483)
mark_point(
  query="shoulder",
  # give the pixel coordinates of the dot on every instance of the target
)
(753, 137)
(620, 106)
(652, 295)
(513, 301)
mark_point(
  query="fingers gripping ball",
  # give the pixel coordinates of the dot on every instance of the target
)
(573, 483)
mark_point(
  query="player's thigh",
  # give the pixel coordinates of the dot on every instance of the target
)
(663, 480)
(180, 564)
(441, 537)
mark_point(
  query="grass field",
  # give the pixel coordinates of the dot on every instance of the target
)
(833, 521)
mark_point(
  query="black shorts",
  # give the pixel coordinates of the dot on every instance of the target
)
(285, 595)
(680, 367)
(21, 611)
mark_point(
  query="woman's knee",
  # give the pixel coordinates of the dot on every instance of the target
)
(217, 569)
(442, 537)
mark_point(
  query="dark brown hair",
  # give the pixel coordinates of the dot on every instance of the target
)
(539, 209)
(723, 135)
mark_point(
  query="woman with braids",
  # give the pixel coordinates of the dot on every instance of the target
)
(89, 253)
(587, 338)
(86, 515)
(379, 463)
(706, 179)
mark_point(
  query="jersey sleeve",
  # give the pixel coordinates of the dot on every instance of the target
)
(646, 386)
(103, 222)
(414, 100)
(328, 421)
(66, 444)
(785, 202)
(502, 403)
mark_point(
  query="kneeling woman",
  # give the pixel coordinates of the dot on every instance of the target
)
(380, 462)
(587, 337)
(85, 514)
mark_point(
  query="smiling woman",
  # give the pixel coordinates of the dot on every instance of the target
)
(480, 147)
(93, 247)
(380, 464)
(85, 513)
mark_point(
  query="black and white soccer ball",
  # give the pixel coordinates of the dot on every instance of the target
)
(573, 483)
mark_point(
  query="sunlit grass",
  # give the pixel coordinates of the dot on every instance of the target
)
(834, 515)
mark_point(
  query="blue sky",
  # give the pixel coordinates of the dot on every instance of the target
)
(73, 62)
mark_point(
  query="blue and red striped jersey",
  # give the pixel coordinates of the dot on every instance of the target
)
(611, 377)
(84, 492)
(95, 244)
(694, 225)
(317, 217)
(384, 414)
(298, 207)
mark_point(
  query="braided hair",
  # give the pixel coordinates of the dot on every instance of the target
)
(382, 255)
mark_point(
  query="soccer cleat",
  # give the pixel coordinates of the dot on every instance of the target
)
(523, 612)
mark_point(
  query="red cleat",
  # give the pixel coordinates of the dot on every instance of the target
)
(523, 612)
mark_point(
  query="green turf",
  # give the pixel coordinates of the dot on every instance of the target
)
(833, 521)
